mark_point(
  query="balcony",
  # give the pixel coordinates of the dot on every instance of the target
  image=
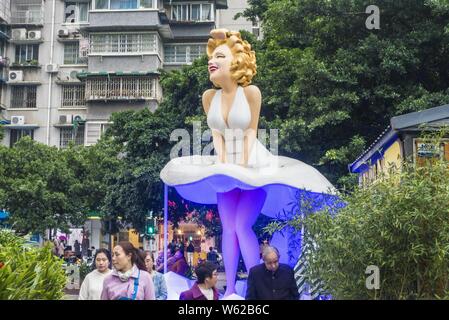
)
(27, 12)
(27, 17)
(120, 88)
(25, 64)
(138, 15)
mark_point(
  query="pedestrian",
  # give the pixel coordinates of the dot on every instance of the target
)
(204, 288)
(178, 263)
(93, 283)
(190, 252)
(160, 287)
(172, 247)
(61, 249)
(129, 279)
(271, 280)
(212, 256)
(77, 248)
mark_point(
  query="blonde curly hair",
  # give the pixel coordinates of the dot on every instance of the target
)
(243, 67)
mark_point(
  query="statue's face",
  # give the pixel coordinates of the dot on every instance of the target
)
(219, 64)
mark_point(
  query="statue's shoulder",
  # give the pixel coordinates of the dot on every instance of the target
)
(207, 98)
(253, 95)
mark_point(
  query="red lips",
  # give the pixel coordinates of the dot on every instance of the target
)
(213, 68)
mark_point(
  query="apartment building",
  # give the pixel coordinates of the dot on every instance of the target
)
(66, 66)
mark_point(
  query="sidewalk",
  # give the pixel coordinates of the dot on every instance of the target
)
(70, 294)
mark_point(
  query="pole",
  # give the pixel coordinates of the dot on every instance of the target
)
(165, 226)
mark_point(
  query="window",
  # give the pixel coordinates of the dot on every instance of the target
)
(72, 96)
(67, 135)
(27, 53)
(76, 12)
(101, 4)
(192, 12)
(123, 43)
(125, 4)
(95, 130)
(183, 53)
(26, 12)
(71, 53)
(256, 29)
(23, 96)
(16, 134)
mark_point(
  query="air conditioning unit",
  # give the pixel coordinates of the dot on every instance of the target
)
(77, 118)
(34, 35)
(19, 34)
(15, 76)
(73, 75)
(51, 67)
(18, 120)
(65, 119)
(63, 32)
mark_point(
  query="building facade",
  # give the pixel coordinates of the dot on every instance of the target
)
(67, 65)
(401, 141)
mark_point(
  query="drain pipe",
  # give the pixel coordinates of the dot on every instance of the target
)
(50, 80)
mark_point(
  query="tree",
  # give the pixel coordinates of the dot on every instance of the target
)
(331, 85)
(38, 188)
(46, 188)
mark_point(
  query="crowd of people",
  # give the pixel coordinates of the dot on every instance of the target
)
(72, 254)
(130, 274)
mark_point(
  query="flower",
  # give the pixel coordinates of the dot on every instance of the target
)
(209, 215)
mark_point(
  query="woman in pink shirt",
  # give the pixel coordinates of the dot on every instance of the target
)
(129, 280)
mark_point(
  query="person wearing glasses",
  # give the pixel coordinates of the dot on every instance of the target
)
(204, 287)
(271, 280)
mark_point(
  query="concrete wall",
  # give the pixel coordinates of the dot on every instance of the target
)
(125, 63)
(225, 17)
(128, 19)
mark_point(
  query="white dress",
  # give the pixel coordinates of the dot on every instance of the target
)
(200, 178)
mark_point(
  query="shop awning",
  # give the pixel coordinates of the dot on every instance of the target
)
(4, 215)
(94, 215)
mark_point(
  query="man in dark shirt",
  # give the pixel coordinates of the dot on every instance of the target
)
(271, 280)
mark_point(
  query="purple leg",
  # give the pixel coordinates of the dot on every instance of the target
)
(227, 205)
(248, 209)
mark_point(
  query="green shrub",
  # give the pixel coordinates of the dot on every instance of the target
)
(400, 224)
(29, 273)
(84, 270)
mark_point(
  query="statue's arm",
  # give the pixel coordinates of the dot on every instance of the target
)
(254, 98)
(218, 140)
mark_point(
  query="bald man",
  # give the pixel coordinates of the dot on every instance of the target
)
(271, 280)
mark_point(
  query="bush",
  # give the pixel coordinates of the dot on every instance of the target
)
(400, 224)
(29, 273)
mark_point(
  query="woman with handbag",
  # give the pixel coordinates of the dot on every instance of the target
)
(129, 280)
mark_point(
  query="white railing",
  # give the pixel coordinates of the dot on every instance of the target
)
(121, 88)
